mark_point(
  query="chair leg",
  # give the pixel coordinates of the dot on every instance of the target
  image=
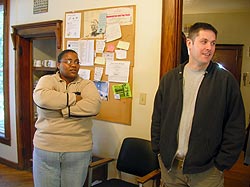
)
(90, 177)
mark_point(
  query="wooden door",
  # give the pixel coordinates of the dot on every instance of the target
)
(24, 101)
(230, 57)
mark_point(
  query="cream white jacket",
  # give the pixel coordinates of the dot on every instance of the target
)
(64, 125)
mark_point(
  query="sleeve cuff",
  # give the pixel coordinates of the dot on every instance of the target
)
(66, 112)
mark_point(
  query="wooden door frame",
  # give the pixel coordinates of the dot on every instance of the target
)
(24, 119)
(171, 34)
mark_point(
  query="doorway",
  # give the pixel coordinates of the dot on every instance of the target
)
(23, 38)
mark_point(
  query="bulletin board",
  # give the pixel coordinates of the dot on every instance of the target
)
(113, 108)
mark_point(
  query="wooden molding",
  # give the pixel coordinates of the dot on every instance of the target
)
(40, 29)
(171, 34)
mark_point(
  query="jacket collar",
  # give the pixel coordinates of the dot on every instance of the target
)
(210, 67)
(59, 79)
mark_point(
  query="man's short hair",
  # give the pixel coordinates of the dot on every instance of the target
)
(195, 28)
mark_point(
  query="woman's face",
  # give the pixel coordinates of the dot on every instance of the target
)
(69, 66)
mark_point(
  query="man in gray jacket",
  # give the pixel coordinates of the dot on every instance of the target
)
(198, 122)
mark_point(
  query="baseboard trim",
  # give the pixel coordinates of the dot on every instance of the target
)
(9, 163)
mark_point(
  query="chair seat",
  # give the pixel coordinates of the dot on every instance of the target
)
(137, 159)
(116, 183)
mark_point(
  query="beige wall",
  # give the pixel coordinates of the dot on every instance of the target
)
(233, 28)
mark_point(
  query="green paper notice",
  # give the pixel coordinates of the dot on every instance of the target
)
(123, 90)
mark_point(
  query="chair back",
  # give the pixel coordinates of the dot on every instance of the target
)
(136, 157)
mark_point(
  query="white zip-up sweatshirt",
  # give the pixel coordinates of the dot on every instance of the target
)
(64, 125)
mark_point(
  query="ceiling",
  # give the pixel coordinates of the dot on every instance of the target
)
(214, 6)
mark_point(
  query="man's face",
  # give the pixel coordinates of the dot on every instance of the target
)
(202, 47)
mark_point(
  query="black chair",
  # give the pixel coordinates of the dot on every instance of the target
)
(136, 158)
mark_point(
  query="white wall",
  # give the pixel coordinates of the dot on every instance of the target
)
(107, 136)
(233, 28)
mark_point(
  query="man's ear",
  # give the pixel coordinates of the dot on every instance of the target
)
(188, 42)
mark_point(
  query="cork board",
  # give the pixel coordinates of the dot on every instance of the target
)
(112, 110)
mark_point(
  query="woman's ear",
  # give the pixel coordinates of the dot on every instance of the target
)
(58, 65)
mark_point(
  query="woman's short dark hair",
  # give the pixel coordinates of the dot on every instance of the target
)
(60, 56)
